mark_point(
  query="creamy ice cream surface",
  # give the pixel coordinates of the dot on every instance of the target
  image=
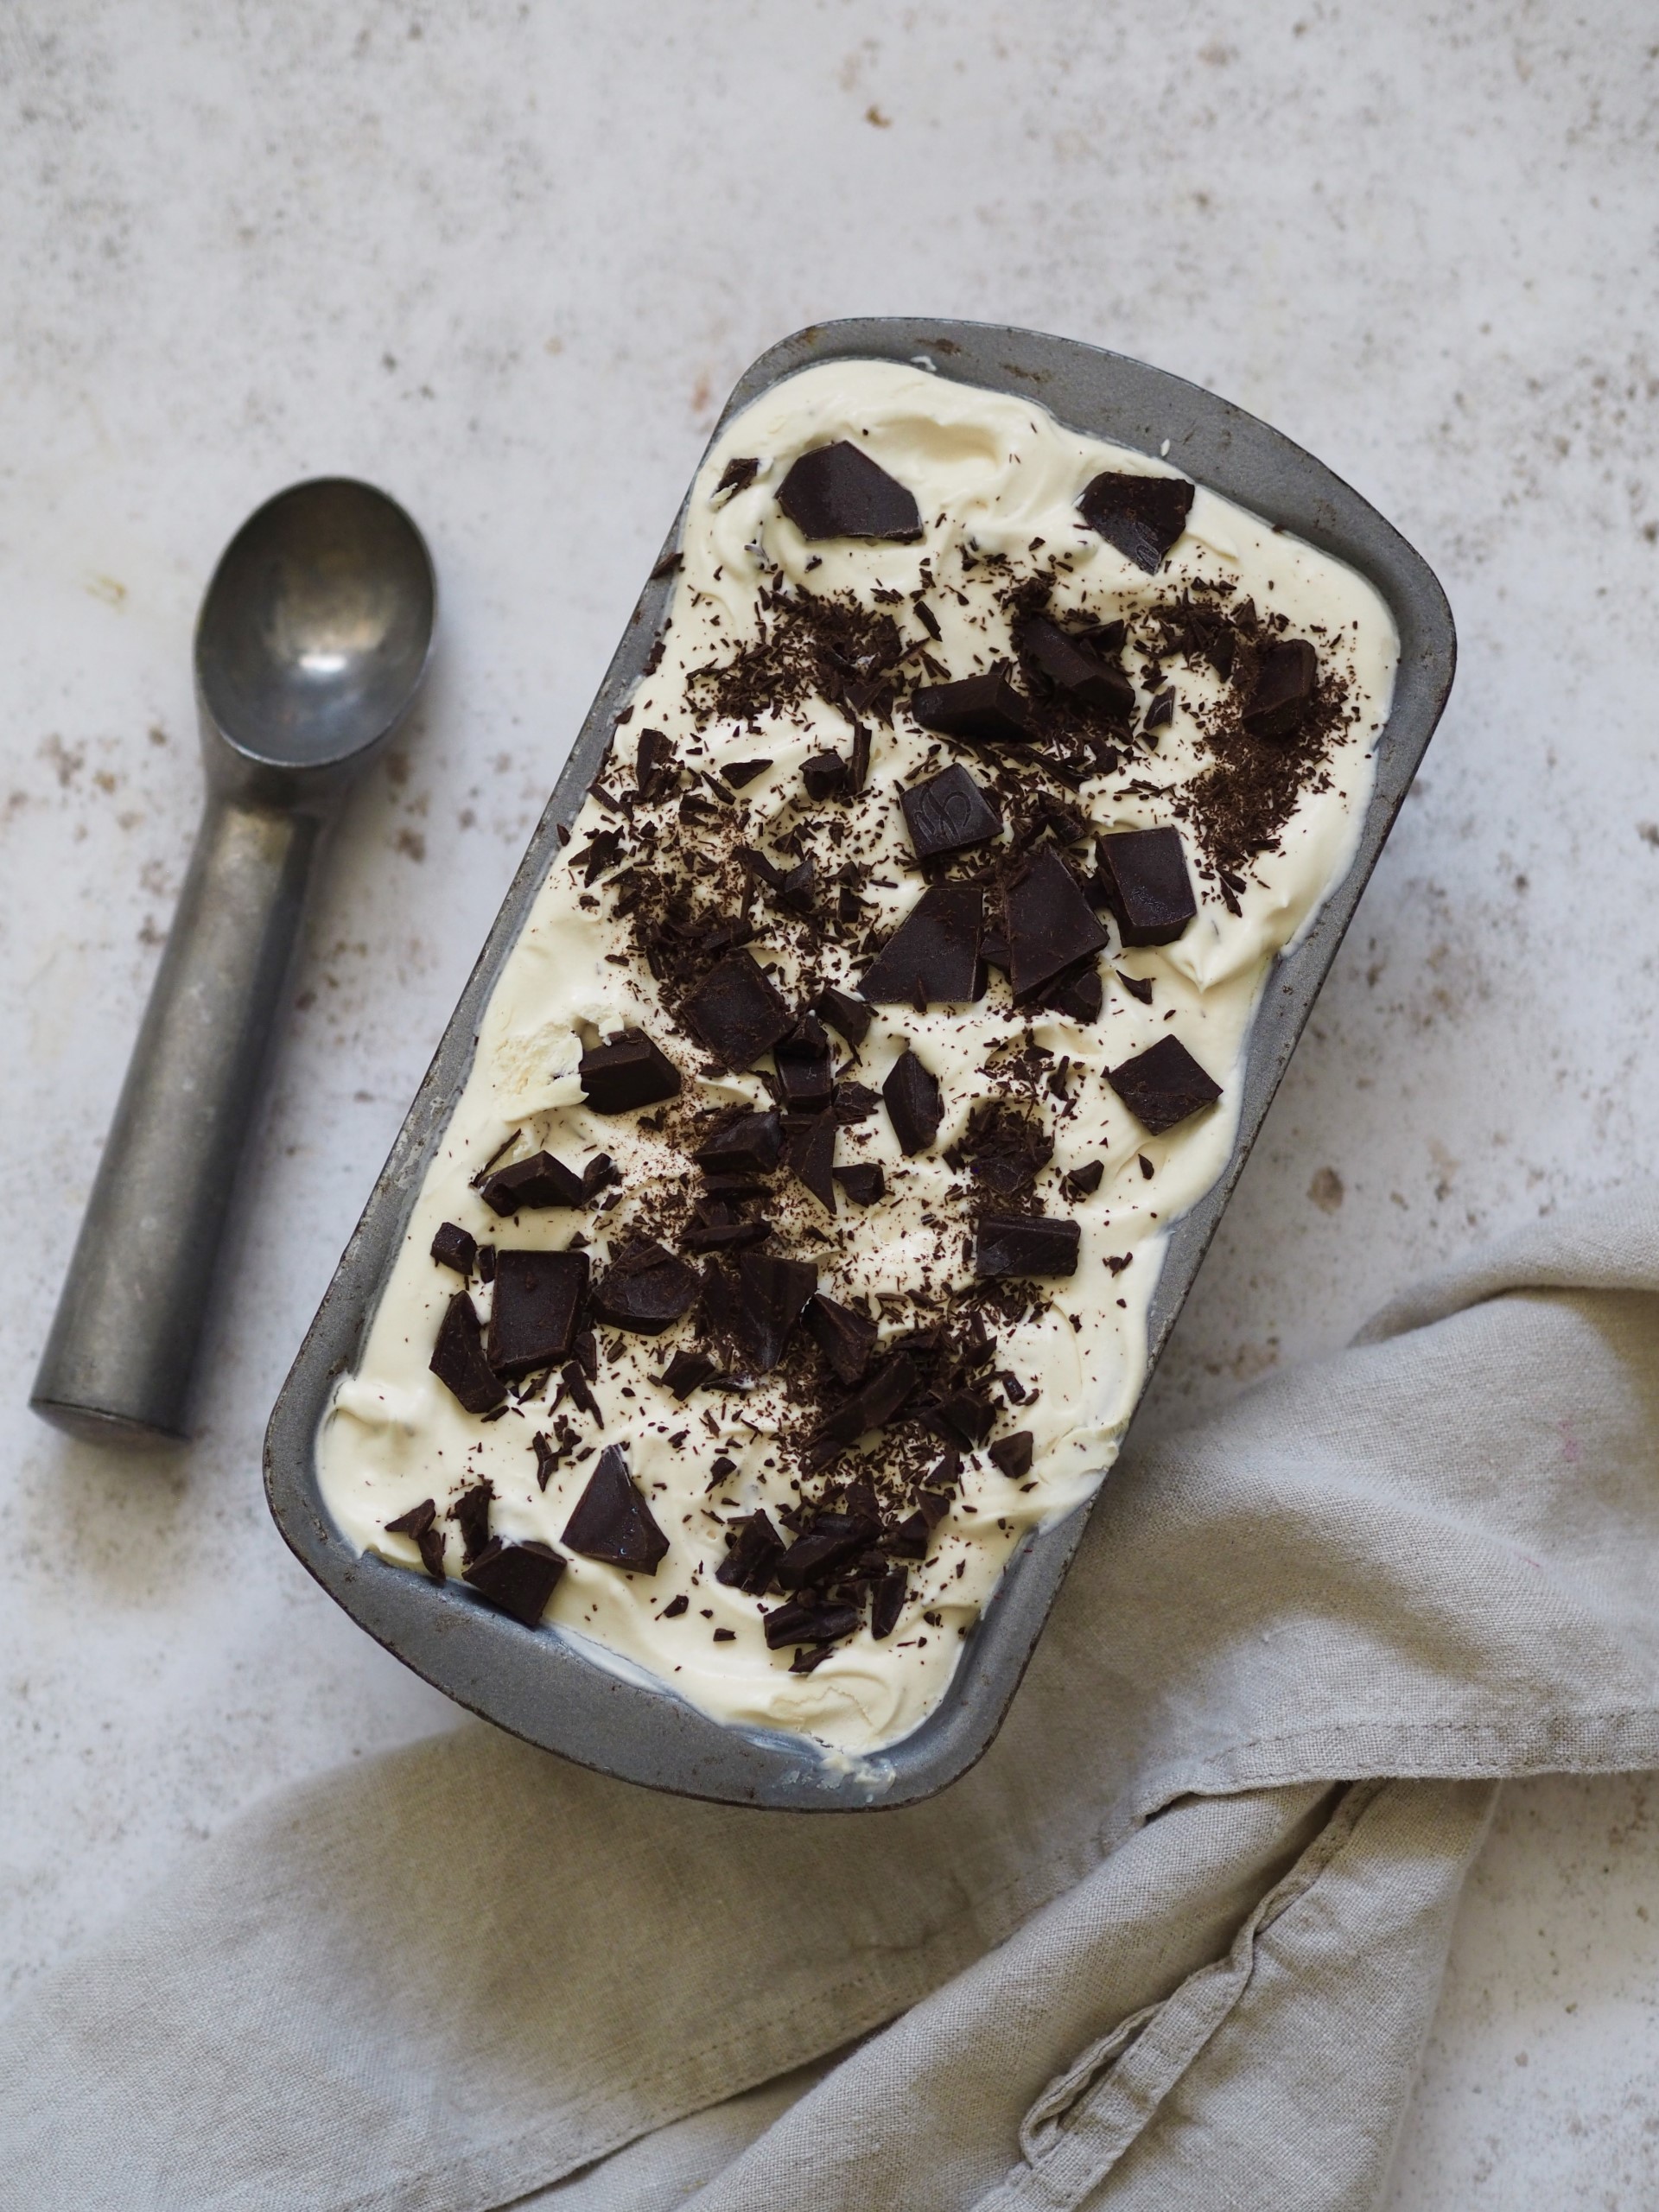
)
(788, 1253)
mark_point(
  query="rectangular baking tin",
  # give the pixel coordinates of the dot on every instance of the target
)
(540, 1684)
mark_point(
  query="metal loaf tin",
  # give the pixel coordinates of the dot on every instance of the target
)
(539, 1683)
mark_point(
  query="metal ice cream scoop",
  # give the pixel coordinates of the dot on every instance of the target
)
(311, 644)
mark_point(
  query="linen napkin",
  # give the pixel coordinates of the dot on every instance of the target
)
(1175, 1941)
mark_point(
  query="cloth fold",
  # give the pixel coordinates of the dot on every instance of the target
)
(1175, 1941)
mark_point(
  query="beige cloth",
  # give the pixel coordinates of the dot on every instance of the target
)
(1175, 1942)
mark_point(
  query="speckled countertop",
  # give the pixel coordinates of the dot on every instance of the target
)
(507, 262)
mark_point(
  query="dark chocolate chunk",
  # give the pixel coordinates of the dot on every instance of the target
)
(1160, 713)
(1144, 883)
(737, 773)
(612, 1521)
(600, 1170)
(686, 1372)
(587, 1351)
(796, 891)
(809, 1659)
(894, 1382)
(725, 1636)
(1288, 676)
(675, 1607)
(1163, 1086)
(960, 1417)
(486, 1263)
(717, 1227)
(1075, 665)
(420, 1522)
(911, 1538)
(574, 1382)
(1138, 987)
(858, 767)
(914, 1106)
(853, 1101)
(750, 1563)
(770, 1295)
(1026, 1244)
(948, 813)
(533, 1320)
(626, 1072)
(1083, 1182)
(812, 1155)
(737, 476)
(453, 1248)
(1051, 924)
(547, 1458)
(848, 1017)
(471, 1515)
(845, 1338)
(539, 1181)
(864, 1182)
(795, 1622)
(933, 955)
(1142, 516)
(737, 1012)
(1080, 993)
(1012, 1455)
(824, 774)
(653, 766)
(646, 1289)
(753, 1145)
(985, 709)
(520, 1578)
(804, 1066)
(458, 1359)
(838, 491)
(831, 1540)
(888, 1602)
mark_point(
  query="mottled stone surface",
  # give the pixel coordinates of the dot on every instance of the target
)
(507, 262)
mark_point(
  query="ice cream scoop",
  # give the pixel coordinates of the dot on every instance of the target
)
(313, 636)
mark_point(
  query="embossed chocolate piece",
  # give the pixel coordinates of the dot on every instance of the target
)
(948, 813)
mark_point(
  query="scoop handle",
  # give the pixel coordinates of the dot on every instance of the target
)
(117, 1364)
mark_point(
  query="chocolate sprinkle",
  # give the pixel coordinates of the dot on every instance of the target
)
(539, 1181)
(1142, 516)
(646, 1290)
(750, 1564)
(626, 1072)
(948, 813)
(458, 1359)
(1051, 924)
(770, 1295)
(845, 1338)
(1026, 1244)
(1143, 881)
(864, 1182)
(612, 1522)
(453, 1248)
(533, 1320)
(933, 955)
(836, 491)
(737, 1012)
(1163, 1086)
(914, 1105)
(518, 1578)
(984, 709)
